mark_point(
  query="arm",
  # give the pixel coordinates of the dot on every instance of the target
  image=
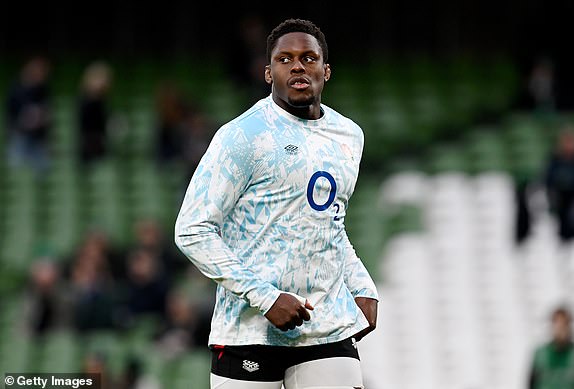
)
(532, 380)
(362, 287)
(220, 178)
(222, 175)
(534, 374)
(357, 277)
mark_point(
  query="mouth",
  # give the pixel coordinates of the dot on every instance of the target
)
(299, 83)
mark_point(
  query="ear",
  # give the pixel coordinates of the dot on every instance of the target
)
(268, 78)
(327, 72)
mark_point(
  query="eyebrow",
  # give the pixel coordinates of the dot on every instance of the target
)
(306, 52)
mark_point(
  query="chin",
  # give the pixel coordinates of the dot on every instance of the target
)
(302, 101)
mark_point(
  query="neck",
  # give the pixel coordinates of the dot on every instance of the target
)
(311, 112)
(562, 343)
(307, 112)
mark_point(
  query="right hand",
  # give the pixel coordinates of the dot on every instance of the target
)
(287, 312)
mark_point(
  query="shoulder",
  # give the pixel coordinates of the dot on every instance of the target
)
(335, 117)
(252, 119)
(542, 351)
(240, 136)
(248, 124)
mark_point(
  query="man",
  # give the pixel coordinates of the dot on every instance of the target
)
(560, 183)
(553, 366)
(263, 217)
(29, 116)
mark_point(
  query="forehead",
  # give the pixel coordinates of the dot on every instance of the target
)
(561, 319)
(297, 42)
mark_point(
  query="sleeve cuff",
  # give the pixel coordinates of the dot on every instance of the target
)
(264, 300)
(366, 293)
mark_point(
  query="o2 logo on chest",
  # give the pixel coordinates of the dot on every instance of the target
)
(332, 192)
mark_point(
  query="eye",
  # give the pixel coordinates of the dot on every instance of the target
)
(310, 58)
(284, 59)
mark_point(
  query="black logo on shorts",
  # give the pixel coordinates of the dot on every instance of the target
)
(291, 149)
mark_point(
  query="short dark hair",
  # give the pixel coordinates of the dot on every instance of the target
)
(561, 311)
(297, 25)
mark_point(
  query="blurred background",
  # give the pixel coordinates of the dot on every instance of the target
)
(462, 212)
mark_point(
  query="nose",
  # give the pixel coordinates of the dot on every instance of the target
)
(297, 66)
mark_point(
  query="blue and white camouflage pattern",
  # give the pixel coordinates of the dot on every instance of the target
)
(264, 214)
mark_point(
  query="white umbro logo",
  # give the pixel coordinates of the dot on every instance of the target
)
(250, 366)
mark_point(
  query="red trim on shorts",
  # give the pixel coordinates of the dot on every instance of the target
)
(218, 347)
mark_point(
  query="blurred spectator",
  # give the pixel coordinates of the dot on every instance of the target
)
(197, 133)
(134, 377)
(150, 236)
(541, 86)
(93, 112)
(553, 364)
(527, 189)
(147, 286)
(201, 293)
(246, 56)
(97, 240)
(96, 363)
(93, 292)
(176, 335)
(46, 307)
(523, 221)
(560, 183)
(171, 110)
(184, 131)
(29, 116)
(187, 322)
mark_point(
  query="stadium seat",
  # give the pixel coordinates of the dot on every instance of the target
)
(58, 352)
(16, 347)
(191, 371)
(446, 158)
(471, 303)
(485, 151)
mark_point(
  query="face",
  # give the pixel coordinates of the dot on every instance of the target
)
(298, 74)
(561, 328)
(567, 144)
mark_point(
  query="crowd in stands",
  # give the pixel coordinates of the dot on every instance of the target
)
(100, 287)
(183, 130)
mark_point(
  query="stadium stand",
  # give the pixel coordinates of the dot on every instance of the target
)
(465, 306)
(462, 306)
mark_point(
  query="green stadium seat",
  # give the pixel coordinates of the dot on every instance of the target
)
(485, 151)
(59, 352)
(104, 207)
(16, 353)
(117, 348)
(365, 223)
(16, 347)
(446, 158)
(20, 219)
(191, 371)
